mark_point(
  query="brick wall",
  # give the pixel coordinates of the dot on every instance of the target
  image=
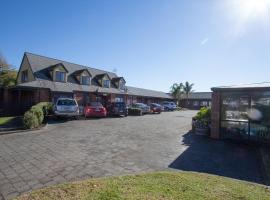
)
(17, 101)
(45, 95)
(40, 95)
(79, 96)
(215, 115)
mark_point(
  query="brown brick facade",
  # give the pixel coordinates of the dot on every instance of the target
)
(44, 95)
(17, 101)
(215, 115)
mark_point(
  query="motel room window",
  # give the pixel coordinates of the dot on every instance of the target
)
(106, 83)
(60, 76)
(85, 80)
(119, 99)
(196, 103)
(24, 76)
(204, 103)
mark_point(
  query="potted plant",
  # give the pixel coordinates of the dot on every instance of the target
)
(201, 122)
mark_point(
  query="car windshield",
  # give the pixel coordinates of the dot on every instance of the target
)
(66, 102)
(139, 104)
(94, 104)
(155, 104)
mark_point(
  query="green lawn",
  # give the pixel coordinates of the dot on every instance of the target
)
(160, 185)
(5, 120)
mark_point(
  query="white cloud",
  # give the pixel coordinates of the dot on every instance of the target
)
(204, 41)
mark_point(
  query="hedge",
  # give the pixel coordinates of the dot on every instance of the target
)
(135, 111)
(30, 120)
(34, 117)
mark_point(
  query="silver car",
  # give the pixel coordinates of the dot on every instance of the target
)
(66, 107)
(169, 106)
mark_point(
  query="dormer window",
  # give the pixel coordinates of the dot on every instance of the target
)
(58, 72)
(24, 77)
(106, 83)
(60, 76)
(119, 82)
(85, 80)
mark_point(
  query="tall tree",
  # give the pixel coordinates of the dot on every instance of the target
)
(177, 91)
(7, 74)
(187, 88)
(3, 63)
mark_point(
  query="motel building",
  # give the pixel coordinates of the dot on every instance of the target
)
(44, 79)
(241, 112)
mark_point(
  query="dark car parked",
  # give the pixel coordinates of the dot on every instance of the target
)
(145, 108)
(117, 109)
(155, 108)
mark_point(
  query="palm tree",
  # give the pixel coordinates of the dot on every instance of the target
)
(187, 88)
(177, 91)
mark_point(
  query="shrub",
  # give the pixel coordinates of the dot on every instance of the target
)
(202, 119)
(204, 115)
(37, 110)
(47, 107)
(135, 111)
(30, 120)
(35, 116)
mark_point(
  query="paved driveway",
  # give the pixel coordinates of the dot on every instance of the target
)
(81, 149)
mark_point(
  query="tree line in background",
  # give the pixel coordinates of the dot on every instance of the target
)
(179, 90)
(8, 74)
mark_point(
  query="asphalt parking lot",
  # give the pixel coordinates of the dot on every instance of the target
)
(80, 149)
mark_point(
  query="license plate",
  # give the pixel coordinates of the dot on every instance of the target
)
(96, 109)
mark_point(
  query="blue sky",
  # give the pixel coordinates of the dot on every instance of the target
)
(152, 43)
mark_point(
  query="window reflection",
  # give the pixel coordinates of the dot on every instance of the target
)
(246, 116)
(259, 131)
(235, 107)
(235, 130)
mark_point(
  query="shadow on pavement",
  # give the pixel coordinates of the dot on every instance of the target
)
(223, 158)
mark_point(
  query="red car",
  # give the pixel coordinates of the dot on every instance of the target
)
(155, 108)
(95, 109)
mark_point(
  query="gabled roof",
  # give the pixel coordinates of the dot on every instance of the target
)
(147, 93)
(102, 75)
(68, 87)
(81, 71)
(56, 65)
(198, 95)
(40, 63)
(118, 79)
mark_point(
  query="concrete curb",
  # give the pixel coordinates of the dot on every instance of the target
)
(23, 130)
